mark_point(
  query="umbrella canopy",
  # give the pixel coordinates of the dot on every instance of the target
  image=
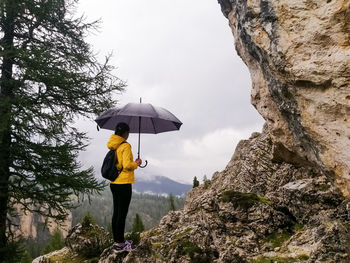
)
(141, 118)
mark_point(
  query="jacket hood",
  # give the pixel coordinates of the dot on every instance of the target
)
(114, 142)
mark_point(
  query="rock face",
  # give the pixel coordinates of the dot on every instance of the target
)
(256, 209)
(29, 225)
(298, 54)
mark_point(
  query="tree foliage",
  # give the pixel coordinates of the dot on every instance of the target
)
(56, 242)
(49, 77)
(26, 258)
(195, 182)
(171, 200)
(137, 228)
(137, 225)
(151, 208)
(88, 221)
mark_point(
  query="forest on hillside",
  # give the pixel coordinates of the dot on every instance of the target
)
(151, 209)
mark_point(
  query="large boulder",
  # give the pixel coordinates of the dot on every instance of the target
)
(89, 241)
(83, 244)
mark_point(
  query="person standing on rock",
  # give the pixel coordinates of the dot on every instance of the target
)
(121, 187)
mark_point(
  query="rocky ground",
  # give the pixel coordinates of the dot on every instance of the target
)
(258, 209)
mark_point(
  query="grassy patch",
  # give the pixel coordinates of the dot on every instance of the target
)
(298, 227)
(275, 260)
(323, 187)
(195, 211)
(233, 240)
(277, 238)
(156, 245)
(243, 200)
(71, 258)
(302, 257)
(183, 233)
(346, 225)
(150, 233)
(186, 247)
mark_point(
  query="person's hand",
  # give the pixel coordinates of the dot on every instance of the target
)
(138, 161)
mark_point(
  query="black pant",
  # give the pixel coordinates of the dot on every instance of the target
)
(121, 200)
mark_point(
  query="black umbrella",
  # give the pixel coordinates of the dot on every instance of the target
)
(141, 118)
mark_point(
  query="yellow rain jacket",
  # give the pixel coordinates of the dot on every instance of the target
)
(125, 160)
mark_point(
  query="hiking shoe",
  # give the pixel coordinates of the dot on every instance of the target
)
(126, 246)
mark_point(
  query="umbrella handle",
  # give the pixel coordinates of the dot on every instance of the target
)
(143, 166)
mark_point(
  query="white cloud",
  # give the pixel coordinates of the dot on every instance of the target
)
(200, 156)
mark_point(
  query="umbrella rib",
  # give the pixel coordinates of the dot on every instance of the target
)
(154, 110)
(154, 126)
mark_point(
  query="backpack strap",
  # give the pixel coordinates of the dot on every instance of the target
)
(116, 156)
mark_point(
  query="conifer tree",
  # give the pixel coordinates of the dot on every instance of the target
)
(88, 221)
(137, 225)
(48, 77)
(171, 202)
(26, 258)
(56, 242)
(195, 182)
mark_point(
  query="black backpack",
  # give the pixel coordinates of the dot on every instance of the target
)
(109, 167)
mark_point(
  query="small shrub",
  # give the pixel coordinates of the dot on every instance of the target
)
(88, 221)
(134, 237)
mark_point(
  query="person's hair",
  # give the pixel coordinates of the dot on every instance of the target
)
(121, 128)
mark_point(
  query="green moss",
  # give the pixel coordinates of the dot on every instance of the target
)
(186, 247)
(263, 259)
(71, 258)
(243, 200)
(156, 245)
(298, 227)
(273, 260)
(277, 238)
(150, 233)
(183, 233)
(195, 211)
(233, 240)
(323, 187)
(346, 225)
(302, 257)
(264, 200)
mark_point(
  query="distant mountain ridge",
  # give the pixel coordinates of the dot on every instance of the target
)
(161, 185)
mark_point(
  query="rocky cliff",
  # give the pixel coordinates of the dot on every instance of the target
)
(298, 54)
(35, 226)
(284, 196)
